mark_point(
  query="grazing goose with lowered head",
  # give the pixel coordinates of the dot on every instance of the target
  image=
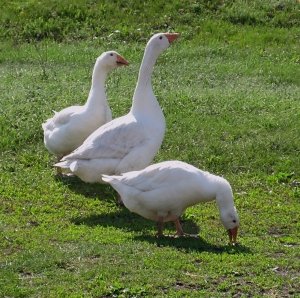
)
(161, 192)
(131, 141)
(67, 129)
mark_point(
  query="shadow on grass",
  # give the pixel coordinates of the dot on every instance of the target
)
(122, 219)
(128, 221)
(89, 190)
(193, 244)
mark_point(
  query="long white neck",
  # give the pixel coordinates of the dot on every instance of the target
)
(97, 96)
(143, 98)
(224, 199)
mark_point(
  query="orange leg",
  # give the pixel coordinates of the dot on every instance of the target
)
(179, 230)
(160, 227)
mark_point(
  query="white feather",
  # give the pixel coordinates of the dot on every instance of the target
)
(129, 142)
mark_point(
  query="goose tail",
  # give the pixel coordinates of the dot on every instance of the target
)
(114, 181)
(67, 164)
(110, 179)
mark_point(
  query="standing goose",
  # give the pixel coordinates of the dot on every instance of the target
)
(161, 192)
(67, 129)
(131, 141)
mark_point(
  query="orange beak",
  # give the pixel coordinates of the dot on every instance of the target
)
(171, 36)
(232, 235)
(121, 61)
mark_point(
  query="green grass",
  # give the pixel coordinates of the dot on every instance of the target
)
(230, 90)
(130, 20)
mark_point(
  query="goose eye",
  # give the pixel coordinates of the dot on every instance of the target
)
(111, 54)
(234, 221)
(160, 37)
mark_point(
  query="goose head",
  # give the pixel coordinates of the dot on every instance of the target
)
(110, 60)
(161, 41)
(230, 220)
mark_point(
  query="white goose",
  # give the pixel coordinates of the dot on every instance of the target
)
(129, 142)
(67, 129)
(161, 192)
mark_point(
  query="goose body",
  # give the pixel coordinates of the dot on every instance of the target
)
(67, 129)
(162, 192)
(129, 142)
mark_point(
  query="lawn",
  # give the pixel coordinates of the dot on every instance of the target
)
(230, 91)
